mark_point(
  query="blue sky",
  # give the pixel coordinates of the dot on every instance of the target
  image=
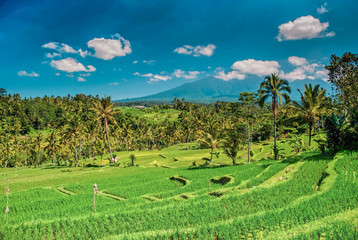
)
(132, 48)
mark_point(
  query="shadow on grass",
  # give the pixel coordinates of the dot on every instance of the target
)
(308, 156)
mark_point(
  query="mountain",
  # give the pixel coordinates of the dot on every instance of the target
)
(211, 89)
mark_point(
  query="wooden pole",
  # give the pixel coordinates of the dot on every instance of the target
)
(7, 205)
(95, 191)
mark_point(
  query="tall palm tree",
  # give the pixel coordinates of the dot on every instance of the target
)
(276, 88)
(105, 113)
(211, 136)
(312, 101)
(71, 134)
(38, 144)
(53, 145)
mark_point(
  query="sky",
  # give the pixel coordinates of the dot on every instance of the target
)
(132, 48)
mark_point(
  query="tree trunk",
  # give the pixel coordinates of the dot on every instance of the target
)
(126, 144)
(101, 160)
(248, 144)
(211, 154)
(109, 143)
(274, 103)
(38, 158)
(310, 133)
(53, 160)
(76, 154)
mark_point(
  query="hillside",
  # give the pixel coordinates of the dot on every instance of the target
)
(267, 199)
(211, 89)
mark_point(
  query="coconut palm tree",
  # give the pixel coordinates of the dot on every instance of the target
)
(312, 101)
(276, 88)
(210, 136)
(53, 145)
(105, 114)
(234, 142)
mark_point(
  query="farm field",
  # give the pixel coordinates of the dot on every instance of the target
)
(306, 196)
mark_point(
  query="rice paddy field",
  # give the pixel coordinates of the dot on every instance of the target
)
(305, 196)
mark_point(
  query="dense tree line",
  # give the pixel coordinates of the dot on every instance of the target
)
(64, 130)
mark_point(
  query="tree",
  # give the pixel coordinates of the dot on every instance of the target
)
(211, 136)
(234, 142)
(276, 88)
(105, 114)
(53, 145)
(343, 74)
(249, 112)
(312, 101)
(132, 157)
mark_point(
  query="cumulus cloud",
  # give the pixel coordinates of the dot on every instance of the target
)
(81, 79)
(113, 84)
(297, 61)
(108, 49)
(306, 27)
(322, 9)
(71, 65)
(304, 70)
(149, 62)
(26, 74)
(230, 75)
(154, 77)
(178, 73)
(62, 48)
(197, 50)
(256, 67)
(53, 55)
(135, 62)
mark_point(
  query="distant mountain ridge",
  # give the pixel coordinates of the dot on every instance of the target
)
(212, 89)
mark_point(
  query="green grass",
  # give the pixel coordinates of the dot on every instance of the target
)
(267, 199)
(150, 114)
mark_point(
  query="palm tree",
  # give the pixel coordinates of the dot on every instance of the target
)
(234, 142)
(38, 146)
(105, 113)
(211, 136)
(312, 101)
(72, 132)
(274, 87)
(53, 145)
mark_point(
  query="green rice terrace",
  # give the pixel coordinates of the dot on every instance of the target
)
(305, 196)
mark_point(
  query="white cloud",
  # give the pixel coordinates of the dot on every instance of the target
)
(26, 74)
(85, 74)
(149, 62)
(304, 70)
(154, 77)
(322, 9)
(135, 62)
(71, 65)
(178, 73)
(57, 74)
(81, 79)
(196, 51)
(63, 48)
(230, 75)
(50, 45)
(52, 55)
(256, 67)
(306, 27)
(297, 61)
(113, 84)
(108, 49)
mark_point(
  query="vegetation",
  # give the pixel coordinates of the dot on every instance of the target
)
(158, 172)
